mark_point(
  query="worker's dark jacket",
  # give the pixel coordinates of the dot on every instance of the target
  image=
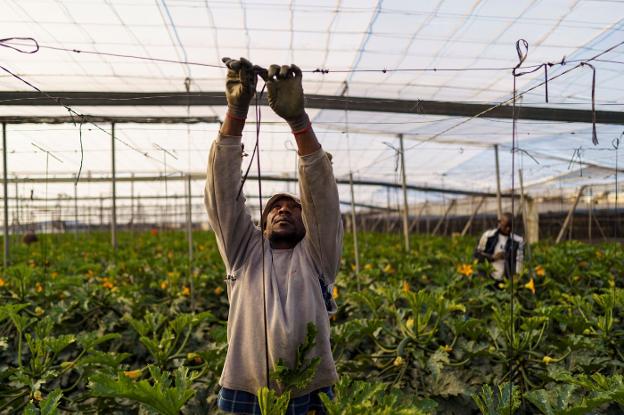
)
(487, 245)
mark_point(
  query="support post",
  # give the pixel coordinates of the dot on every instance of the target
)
(523, 204)
(101, 213)
(16, 220)
(443, 218)
(405, 205)
(499, 203)
(5, 185)
(356, 252)
(387, 216)
(132, 201)
(570, 213)
(189, 238)
(472, 216)
(114, 190)
(76, 208)
(589, 212)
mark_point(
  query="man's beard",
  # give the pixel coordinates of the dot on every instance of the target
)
(291, 238)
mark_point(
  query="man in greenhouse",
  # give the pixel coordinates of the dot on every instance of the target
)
(505, 253)
(274, 295)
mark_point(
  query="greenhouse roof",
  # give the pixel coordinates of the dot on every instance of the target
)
(446, 51)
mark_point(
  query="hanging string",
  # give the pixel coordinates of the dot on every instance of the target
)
(517, 95)
(577, 153)
(262, 241)
(256, 145)
(522, 49)
(616, 145)
(82, 120)
(593, 101)
(73, 113)
(5, 43)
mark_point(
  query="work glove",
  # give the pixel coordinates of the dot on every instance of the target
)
(240, 86)
(286, 95)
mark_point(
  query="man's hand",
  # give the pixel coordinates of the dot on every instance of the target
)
(240, 86)
(286, 95)
(498, 255)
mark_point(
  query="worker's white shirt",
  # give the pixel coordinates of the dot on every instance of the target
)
(499, 264)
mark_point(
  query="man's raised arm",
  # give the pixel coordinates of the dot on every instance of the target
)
(228, 216)
(318, 190)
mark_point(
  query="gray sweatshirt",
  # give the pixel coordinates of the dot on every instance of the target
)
(292, 288)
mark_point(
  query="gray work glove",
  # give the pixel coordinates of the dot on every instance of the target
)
(286, 95)
(240, 86)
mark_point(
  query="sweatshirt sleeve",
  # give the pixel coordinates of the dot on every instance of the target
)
(321, 212)
(228, 217)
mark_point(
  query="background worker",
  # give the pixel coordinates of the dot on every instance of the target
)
(504, 251)
(303, 242)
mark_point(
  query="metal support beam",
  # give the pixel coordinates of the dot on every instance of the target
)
(202, 176)
(405, 212)
(185, 99)
(114, 191)
(5, 186)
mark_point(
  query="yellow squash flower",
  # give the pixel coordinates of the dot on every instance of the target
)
(132, 374)
(107, 283)
(530, 286)
(465, 270)
(164, 285)
(399, 361)
(186, 291)
(38, 287)
(368, 267)
(335, 293)
(2, 282)
(406, 287)
(388, 269)
(218, 291)
(540, 271)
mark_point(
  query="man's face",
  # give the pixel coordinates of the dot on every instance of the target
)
(504, 225)
(284, 227)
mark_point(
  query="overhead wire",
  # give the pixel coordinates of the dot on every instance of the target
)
(73, 113)
(24, 41)
(512, 99)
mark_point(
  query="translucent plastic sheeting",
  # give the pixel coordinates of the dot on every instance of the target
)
(443, 50)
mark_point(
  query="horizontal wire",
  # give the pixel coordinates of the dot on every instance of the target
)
(317, 70)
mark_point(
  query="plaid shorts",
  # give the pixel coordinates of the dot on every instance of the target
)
(241, 402)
